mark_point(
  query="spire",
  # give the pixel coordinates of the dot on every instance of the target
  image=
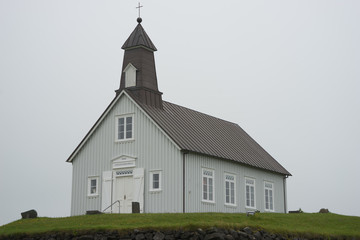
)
(138, 71)
(139, 38)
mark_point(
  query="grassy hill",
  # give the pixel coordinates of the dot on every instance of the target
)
(304, 224)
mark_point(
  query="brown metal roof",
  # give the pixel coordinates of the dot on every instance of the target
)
(139, 38)
(197, 132)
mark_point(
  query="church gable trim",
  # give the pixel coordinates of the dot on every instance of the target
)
(104, 115)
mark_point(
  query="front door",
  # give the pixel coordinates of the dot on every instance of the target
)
(124, 192)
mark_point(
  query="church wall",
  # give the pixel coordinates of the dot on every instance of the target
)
(193, 193)
(152, 150)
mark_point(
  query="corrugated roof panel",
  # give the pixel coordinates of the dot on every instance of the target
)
(201, 133)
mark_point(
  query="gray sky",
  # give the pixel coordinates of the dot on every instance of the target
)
(286, 71)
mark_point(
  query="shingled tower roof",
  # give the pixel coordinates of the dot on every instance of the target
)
(139, 38)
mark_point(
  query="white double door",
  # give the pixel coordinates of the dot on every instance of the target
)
(125, 189)
(124, 193)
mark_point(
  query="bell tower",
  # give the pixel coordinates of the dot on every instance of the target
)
(138, 75)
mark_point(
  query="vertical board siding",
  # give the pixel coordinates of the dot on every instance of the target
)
(193, 193)
(152, 150)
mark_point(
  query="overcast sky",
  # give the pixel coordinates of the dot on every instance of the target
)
(288, 72)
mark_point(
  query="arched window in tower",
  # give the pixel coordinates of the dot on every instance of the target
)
(130, 75)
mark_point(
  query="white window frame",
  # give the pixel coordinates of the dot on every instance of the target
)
(96, 193)
(268, 188)
(246, 194)
(151, 182)
(227, 179)
(117, 139)
(208, 174)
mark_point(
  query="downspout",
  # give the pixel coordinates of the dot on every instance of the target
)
(184, 153)
(112, 189)
(284, 186)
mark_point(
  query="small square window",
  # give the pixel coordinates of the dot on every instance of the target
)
(93, 188)
(155, 181)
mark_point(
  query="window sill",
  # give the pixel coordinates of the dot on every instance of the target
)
(251, 208)
(124, 140)
(155, 190)
(230, 205)
(208, 202)
(93, 196)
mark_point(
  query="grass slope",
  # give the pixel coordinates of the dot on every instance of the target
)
(304, 224)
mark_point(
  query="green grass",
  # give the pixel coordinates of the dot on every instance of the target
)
(304, 224)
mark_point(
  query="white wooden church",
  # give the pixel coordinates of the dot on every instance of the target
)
(165, 158)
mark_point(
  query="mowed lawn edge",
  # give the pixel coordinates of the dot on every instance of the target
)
(303, 224)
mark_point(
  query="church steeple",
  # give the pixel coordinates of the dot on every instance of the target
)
(138, 71)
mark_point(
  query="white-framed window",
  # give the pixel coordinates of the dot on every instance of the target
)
(93, 186)
(250, 192)
(155, 180)
(269, 196)
(230, 187)
(208, 192)
(124, 127)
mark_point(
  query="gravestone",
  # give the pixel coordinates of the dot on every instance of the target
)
(29, 214)
(135, 207)
(324, 210)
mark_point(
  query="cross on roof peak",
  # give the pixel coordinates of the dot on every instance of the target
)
(138, 7)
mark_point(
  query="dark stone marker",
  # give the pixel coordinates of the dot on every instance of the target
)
(324, 210)
(135, 207)
(93, 212)
(297, 211)
(29, 214)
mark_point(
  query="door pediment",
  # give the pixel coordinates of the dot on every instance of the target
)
(123, 162)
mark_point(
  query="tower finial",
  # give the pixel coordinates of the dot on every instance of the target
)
(139, 20)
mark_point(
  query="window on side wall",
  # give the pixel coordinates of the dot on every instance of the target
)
(269, 196)
(250, 192)
(208, 185)
(124, 128)
(93, 186)
(230, 180)
(155, 181)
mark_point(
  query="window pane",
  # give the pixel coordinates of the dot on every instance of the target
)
(156, 181)
(204, 188)
(227, 192)
(232, 192)
(252, 196)
(121, 128)
(266, 199)
(247, 196)
(129, 127)
(210, 189)
(93, 186)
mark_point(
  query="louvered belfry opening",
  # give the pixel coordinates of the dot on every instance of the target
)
(139, 52)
